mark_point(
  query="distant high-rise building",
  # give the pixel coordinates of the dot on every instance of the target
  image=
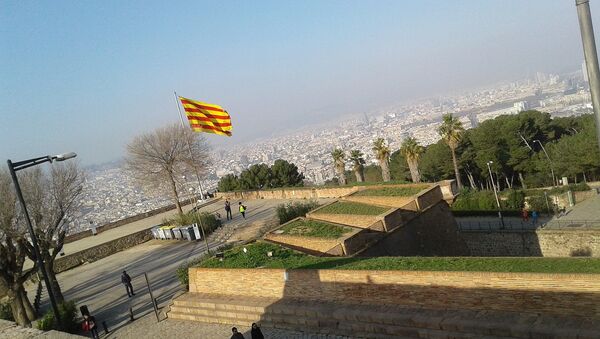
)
(521, 106)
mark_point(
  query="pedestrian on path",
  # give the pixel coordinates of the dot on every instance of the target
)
(236, 334)
(126, 280)
(534, 217)
(228, 209)
(242, 210)
(89, 325)
(255, 332)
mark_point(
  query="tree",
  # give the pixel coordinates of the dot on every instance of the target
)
(339, 164)
(435, 163)
(412, 152)
(14, 248)
(398, 167)
(256, 177)
(50, 199)
(228, 183)
(382, 154)
(451, 131)
(159, 159)
(358, 164)
(285, 174)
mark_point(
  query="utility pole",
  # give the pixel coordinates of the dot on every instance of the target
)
(591, 57)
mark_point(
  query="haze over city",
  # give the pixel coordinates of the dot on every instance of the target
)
(88, 77)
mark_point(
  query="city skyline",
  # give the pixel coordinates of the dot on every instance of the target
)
(80, 83)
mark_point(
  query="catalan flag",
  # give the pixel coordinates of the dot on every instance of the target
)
(204, 117)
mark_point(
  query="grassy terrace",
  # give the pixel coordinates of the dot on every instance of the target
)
(289, 259)
(392, 191)
(347, 207)
(315, 229)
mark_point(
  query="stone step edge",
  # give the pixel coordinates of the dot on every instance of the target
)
(402, 320)
(354, 329)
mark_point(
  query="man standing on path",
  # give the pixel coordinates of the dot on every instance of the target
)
(534, 217)
(228, 209)
(126, 280)
(243, 210)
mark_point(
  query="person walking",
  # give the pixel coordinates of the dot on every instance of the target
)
(242, 210)
(126, 280)
(228, 209)
(534, 217)
(89, 325)
(255, 332)
(236, 334)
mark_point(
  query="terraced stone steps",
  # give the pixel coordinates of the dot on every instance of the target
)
(375, 321)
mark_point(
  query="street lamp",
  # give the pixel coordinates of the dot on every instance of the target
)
(13, 167)
(495, 193)
(549, 162)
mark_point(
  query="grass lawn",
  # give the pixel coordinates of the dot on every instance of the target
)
(316, 229)
(289, 259)
(392, 191)
(347, 207)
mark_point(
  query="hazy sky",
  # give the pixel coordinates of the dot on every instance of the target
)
(86, 76)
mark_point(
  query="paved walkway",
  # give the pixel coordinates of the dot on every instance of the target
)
(584, 214)
(121, 231)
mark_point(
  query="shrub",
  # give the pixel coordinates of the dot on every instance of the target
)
(515, 200)
(293, 210)
(6, 311)
(209, 221)
(475, 201)
(68, 315)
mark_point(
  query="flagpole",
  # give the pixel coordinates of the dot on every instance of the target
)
(189, 146)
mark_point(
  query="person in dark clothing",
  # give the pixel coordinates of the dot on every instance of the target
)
(236, 334)
(89, 325)
(126, 280)
(228, 210)
(255, 332)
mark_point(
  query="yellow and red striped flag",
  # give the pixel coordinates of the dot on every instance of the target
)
(204, 117)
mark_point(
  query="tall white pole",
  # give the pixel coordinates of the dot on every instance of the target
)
(496, 194)
(591, 57)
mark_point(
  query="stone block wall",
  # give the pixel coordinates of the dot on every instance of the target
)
(561, 294)
(429, 198)
(396, 202)
(546, 243)
(290, 193)
(98, 252)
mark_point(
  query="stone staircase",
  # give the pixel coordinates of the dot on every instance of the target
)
(375, 321)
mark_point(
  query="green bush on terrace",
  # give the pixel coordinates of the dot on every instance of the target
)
(392, 191)
(315, 229)
(348, 207)
(256, 257)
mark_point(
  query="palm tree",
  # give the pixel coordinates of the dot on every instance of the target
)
(357, 159)
(340, 165)
(382, 153)
(451, 131)
(411, 150)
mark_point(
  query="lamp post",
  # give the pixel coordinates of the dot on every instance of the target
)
(549, 162)
(495, 194)
(13, 167)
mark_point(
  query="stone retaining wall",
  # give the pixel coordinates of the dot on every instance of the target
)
(98, 252)
(561, 294)
(290, 193)
(546, 243)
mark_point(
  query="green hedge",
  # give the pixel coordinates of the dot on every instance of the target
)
(289, 211)
(209, 221)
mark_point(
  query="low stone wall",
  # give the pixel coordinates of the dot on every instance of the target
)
(312, 244)
(449, 190)
(362, 221)
(560, 294)
(9, 329)
(98, 252)
(429, 198)
(387, 201)
(290, 193)
(546, 243)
